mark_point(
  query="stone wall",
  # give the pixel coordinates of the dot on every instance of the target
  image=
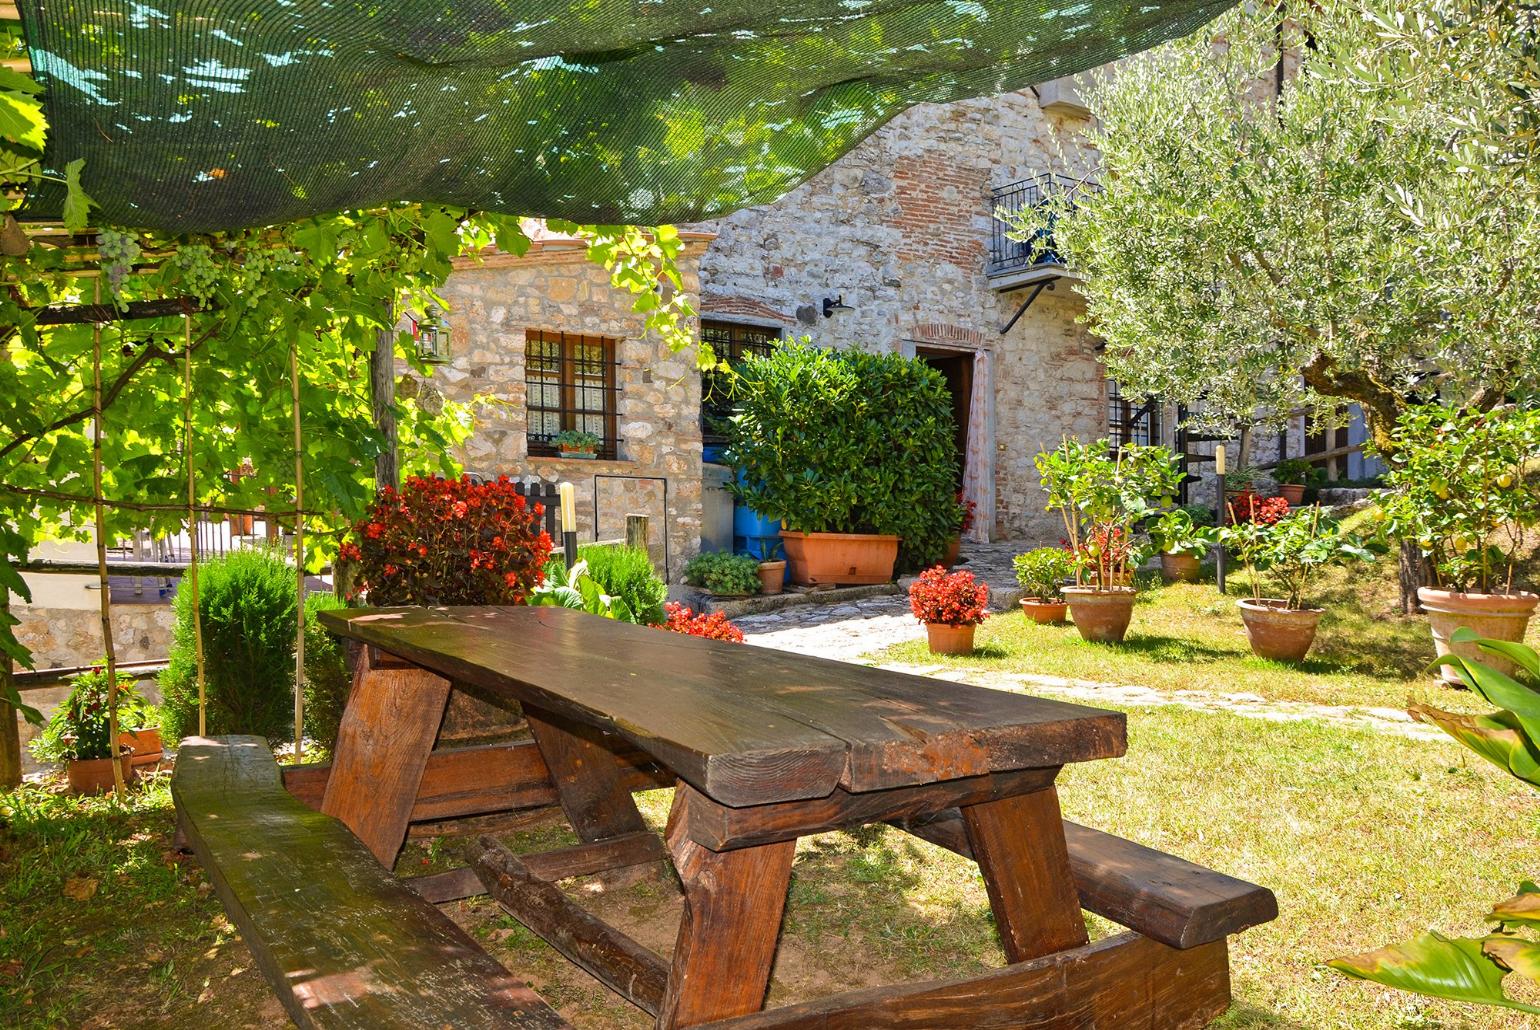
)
(555, 287)
(65, 637)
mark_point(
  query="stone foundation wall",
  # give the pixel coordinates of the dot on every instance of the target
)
(63, 637)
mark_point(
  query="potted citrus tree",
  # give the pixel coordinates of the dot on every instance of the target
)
(1290, 552)
(78, 732)
(951, 604)
(1041, 573)
(814, 443)
(1458, 492)
(1102, 492)
(1182, 542)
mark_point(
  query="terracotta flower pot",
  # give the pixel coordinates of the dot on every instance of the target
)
(1101, 616)
(772, 577)
(946, 639)
(1180, 568)
(840, 559)
(953, 552)
(1294, 493)
(94, 775)
(1044, 613)
(1278, 632)
(1497, 616)
(144, 749)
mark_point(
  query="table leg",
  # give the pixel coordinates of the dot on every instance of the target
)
(733, 902)
(588, 777)
(387, 731)
(1019, 845)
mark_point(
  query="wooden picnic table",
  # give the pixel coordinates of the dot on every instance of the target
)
(762, 747)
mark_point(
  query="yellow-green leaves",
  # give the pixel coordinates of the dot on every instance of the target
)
(1456, 968)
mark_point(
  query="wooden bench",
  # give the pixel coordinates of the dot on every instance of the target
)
(341, 940)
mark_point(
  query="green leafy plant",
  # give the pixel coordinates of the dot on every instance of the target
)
(577, 441)
(1041, 572)
(723, 573)
(1201, 514)
(247, 602)
(1299, 471)
(575, 588)
(1177, 532)
(327, 681)
(1472, 969)
(1458, 489)
(1293, 551)
(1102, 492)
(80, 729)
(1243, 478)
(836, 441)
(627, 573)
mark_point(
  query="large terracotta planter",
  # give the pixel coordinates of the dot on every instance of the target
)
(1278, 632)
(946, 639)
(1044, 613)
(1497, 616)
(772, 577)
(840, 559)
(1101, 616)
(1180, 568)
(94, 775)
(1294, 493)
(144, 750)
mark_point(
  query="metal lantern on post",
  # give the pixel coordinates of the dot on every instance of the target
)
(430, 336)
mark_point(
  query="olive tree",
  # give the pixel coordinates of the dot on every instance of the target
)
(1354, 236)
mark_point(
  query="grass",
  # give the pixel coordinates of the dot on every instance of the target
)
(1367, 838)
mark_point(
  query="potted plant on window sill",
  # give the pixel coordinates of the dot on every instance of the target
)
(575, 443)
(1041, 574)
(1291, 552)
(723, 573)
(951, 605)
(1458, 492)
(78, 733)
(1102, 492)
(1182, 544)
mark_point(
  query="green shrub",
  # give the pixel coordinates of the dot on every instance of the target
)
(627, 573)
(723, 573)
(247, 602)
(326, 673)
(848, 442)
(1041, 572)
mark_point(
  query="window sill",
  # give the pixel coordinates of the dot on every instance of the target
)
(579, 464)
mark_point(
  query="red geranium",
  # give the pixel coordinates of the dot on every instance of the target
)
(1251, 507)
(969, 511)
(448, 541)
(714, 626)
(950, 597)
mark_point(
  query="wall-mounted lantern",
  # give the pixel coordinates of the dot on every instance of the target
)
(834, 305)
(430, 335)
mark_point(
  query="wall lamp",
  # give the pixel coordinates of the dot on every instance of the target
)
(833, 305)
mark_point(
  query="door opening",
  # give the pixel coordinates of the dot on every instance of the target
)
(957, 368)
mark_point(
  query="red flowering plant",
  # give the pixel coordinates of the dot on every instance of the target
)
(968, 512)
(448, 541)
(953, 598)
(1252, 507)
(713, 627)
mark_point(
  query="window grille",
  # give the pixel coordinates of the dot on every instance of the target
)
(732, 342)
(1128, 422)
(570, 382)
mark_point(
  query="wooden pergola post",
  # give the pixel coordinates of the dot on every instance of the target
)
(10, 729)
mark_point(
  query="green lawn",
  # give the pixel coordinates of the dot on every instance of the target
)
(1366, 838)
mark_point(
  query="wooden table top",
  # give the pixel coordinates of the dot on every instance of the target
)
(744, 725)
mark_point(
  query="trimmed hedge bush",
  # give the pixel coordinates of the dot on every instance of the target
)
(848, 442)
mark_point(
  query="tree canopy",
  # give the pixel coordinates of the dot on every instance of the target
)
(1369, 233)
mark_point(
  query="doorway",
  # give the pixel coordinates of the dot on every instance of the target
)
(957, 368)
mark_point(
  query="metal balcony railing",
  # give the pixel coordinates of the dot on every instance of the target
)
(1007, 255)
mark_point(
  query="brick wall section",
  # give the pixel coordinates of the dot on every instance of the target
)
(937, 200)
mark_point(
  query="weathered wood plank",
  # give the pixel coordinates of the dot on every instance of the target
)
(744, 725)
(620, 963)
(1164, 897)
(587, 777)
(1118, 983)
(630, 849)
(383, 744)
(1018, 843)
(721, 828)
(733, 903)
(343, 943)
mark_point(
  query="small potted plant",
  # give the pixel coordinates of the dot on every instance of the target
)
(1291, 552)
(1102, 492)
(772, 569)
(951, 604)
(965, 514)
(1294, 475)
(1182, 543)
(79, 730)
(1041, 574)
(575, 443)
(1458, 492)
(723, 573)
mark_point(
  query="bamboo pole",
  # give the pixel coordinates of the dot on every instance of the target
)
(299, 561)
(101, 552)
(192, 520)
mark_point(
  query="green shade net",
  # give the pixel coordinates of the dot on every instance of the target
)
(197, 115)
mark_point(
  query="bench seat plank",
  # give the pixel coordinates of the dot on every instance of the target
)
(342, 941)
(743, 725)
